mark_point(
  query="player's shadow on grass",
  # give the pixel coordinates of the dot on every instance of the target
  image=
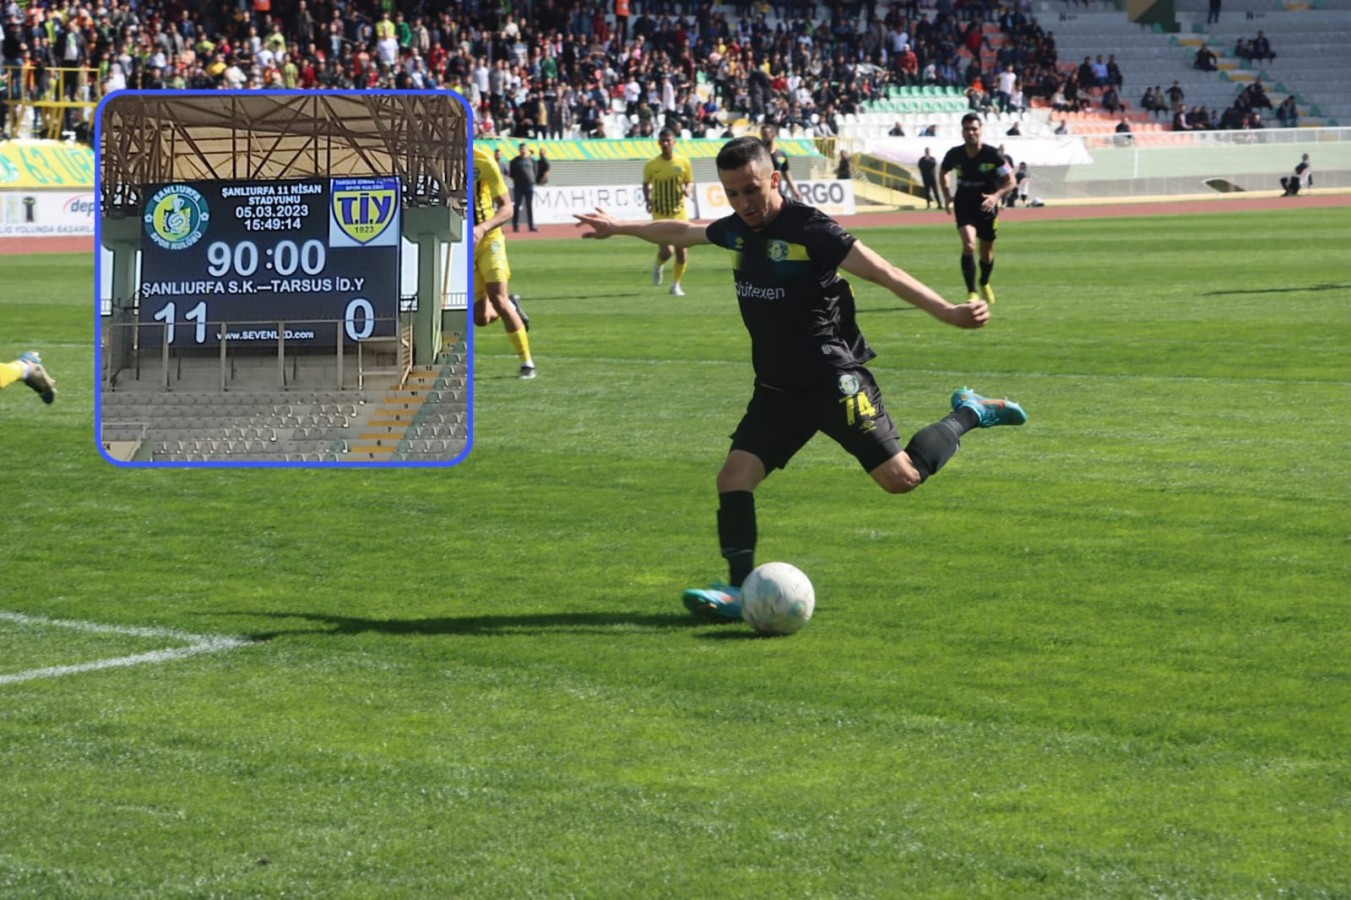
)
(1282, 290)
(728, 631)
(534, 623)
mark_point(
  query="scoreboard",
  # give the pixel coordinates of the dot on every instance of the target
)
(317, 256)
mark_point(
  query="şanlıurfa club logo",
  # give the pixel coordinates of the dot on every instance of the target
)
(176, 217)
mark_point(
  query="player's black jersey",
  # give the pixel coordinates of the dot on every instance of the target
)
(797, 308)
(976, 175)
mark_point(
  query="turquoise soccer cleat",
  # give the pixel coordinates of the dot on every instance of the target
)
(719, 603)
(991, 412)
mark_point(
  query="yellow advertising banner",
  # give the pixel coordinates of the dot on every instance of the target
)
(29, 165)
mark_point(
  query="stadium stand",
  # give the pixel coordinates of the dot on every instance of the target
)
(424, 417)
(559, 71)
(1310, 68)
(1310, 40)
(697, 72)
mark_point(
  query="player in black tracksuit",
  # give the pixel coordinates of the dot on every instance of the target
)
(984, 178)
(807, 352)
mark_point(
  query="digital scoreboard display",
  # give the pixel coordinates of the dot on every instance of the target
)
(317, 256)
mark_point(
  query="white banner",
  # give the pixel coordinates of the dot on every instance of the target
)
(555, 205)
(834, 198)
(1052, 151)
(46, 213)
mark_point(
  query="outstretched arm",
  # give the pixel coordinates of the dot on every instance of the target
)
(662, 231)
(867, 264)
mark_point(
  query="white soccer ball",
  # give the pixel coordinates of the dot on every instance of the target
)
(777, 598)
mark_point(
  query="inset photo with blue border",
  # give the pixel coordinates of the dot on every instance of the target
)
(283, 278)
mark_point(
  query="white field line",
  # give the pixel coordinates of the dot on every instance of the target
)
(196, 644)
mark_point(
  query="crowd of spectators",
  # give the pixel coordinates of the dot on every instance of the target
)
(559, 68)
(1244, 114)
(548, 68)
(1093, 84)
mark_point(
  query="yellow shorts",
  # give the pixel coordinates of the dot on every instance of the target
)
(682, 216)
(490, 264)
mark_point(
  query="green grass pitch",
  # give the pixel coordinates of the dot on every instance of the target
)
(1104, 655)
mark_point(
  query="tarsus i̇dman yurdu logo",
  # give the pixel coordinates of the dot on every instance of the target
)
(176, 217)
(364, 211)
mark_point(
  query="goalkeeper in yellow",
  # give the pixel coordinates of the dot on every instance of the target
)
(667, 181)
(28, 369)
(492, 273)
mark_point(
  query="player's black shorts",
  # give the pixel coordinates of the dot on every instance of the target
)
(968, 212)
(778, 424)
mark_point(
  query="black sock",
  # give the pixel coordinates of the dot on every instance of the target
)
(933, 445)
(969, 272)
(985, 269)
(736, 533)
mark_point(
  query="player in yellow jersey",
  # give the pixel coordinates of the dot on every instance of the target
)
(667, 181)
(492, 273)
(28, 369)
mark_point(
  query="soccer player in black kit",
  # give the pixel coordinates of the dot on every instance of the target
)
(807, 352)
(984, 178)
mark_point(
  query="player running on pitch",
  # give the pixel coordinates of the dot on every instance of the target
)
(668, 179)
(983, 180)
(807, 352)
(492, 273)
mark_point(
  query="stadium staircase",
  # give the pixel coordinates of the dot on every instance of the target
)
(426, 418)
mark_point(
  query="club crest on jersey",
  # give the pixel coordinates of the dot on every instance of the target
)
(777, 250)
(848, 384)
